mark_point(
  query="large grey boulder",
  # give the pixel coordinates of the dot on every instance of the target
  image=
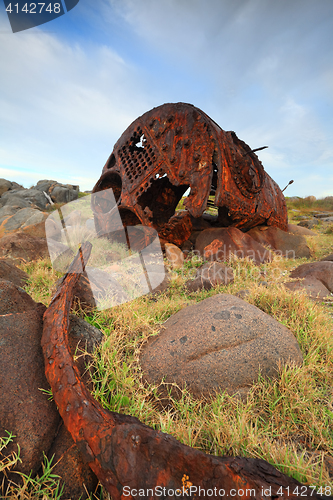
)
(6, 185)
(60, 193)
(64, 194)
(10, 199)
(7, 211)
(31, 197)
(219, 344)
(22, 218)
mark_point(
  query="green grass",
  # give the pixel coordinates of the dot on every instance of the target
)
(286, 421)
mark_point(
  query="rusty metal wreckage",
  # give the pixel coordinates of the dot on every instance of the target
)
(177, 147)
(125, 454)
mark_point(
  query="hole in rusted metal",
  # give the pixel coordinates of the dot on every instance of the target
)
(162, 198)
(110, 180)
(128, 217)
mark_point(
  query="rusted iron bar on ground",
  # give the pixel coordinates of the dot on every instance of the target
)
(176, 147)
(123, 452)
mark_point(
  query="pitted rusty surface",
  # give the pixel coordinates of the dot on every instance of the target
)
(122, 451)
(175, 147)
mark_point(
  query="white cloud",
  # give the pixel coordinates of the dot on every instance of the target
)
(258, 67)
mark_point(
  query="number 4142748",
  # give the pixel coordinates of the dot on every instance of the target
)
(34, 8)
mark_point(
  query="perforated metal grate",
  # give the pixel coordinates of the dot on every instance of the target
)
(137, 157)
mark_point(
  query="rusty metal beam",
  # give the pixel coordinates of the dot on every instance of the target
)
(122, 451)
(176, 147)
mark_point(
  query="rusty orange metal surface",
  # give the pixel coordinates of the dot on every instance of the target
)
(128, 456)
(176, 147)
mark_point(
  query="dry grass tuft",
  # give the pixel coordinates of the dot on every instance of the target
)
(286, 420)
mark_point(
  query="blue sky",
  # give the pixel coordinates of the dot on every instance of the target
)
(263, 68)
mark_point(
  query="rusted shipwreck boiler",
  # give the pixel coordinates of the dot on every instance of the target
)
(177, 147)
(128, 456)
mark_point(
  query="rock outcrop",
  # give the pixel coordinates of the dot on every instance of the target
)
(219, 344)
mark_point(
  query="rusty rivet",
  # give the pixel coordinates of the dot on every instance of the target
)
(197, 157)
(172, 160)
(164, 147)
(179, 130)
(187, 143)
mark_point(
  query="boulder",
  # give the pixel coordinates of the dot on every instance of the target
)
(285, 244)
(6, 212)
(8, 185)
(174, 255)
(4, 186)
(308, 223)
(64, 193)
(13, 201)
(13, 299)
(322, 271)
(21, 246)
(45, 185)
(311, 199)
(24, 409)
(293, 198)
(76, 476)
(323, 215)
(328, 257)
(32, 197)
(60, 193)
(209, 275)
(327, 219)
(219, 244)
(219, 344)
(304, 231)
(12, 273)
(313, 288)
(21, 219)
(35, 230)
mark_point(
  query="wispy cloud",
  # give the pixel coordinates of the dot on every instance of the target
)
(259, 67)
